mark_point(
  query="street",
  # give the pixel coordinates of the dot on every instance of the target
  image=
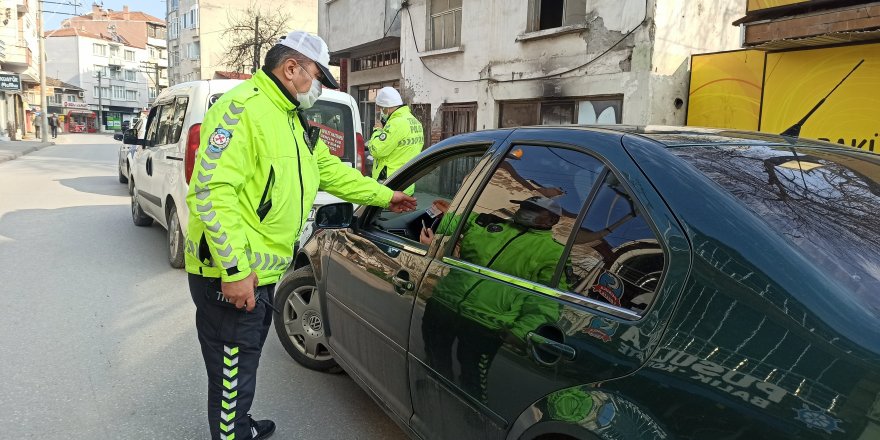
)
(98, 337)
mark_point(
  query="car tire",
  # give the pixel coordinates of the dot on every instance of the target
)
(175, 239)
(300, 325)
(138, 216)
(122, 178)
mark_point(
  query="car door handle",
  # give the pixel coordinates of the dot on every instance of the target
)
(402, 284)
(552, 347)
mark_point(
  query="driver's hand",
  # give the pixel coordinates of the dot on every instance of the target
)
(427, 236)
(441, 205)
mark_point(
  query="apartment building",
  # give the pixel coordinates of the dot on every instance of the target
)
(466, 64)
(19, 68)
(199, 32)
(795, 53)
(109, 70)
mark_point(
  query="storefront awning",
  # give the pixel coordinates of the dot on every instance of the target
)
(81, 112)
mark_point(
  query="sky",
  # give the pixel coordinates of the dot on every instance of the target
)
(155, 8)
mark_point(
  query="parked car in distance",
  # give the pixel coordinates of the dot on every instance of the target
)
(163, 161)
(127, 150)
(606, 283)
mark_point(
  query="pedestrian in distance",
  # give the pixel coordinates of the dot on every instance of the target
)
(53, 124)
(398, 136)
(258, 170)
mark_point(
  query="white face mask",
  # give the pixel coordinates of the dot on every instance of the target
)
(527, 218)
(307, 99)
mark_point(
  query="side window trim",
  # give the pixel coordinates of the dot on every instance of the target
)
(569, 245)
(590, 303)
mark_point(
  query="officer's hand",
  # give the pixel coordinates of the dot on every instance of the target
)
(427, 236)
(241, 292)
(401, 202)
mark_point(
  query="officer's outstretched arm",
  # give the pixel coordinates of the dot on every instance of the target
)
(348, 183)
(224, 161)
(383, 141)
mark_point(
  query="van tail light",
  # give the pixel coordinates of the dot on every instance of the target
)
(361, 155)
(192, 147)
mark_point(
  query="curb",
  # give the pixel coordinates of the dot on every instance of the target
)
(7, 156)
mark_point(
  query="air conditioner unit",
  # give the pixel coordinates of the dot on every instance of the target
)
(82, 94)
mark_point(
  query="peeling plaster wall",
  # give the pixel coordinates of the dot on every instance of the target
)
(684, 29)
(649, 67)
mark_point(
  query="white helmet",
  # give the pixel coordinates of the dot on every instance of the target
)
(388, 97)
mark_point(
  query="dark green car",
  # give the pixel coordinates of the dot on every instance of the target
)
(619, 283)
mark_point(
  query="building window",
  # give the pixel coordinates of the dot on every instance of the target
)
(71, 98)
(191, 18)
(118, 92)
(104, 71)
(445, 24)
(116, 73)
(152, 92)
(55, 99)
(457, 119)
(162, 54)
(130, 75)
(114, 51)
(131, 95)
(375, 60)
(602, 111)
(549, 14)
(173, 27)
(99, 50)
(156, 32)
(129, 55)
(192, 51)
(102, 92)
(173, 4)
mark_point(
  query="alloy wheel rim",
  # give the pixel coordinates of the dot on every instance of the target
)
(304, 325)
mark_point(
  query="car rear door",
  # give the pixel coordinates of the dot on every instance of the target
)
(374, 270)
(517, 314)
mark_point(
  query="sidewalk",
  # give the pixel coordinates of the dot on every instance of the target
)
(12, 149)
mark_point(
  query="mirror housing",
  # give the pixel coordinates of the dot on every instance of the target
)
(334, 216)
(130, 137)
(117, 136)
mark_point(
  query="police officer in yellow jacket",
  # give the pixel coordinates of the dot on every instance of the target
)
(257, 171)
(398, 136)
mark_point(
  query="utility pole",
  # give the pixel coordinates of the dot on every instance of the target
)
(44, 103)
(257, 44)
(100, 103)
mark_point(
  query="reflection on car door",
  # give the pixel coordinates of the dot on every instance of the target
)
(514, 309)
(371, 278)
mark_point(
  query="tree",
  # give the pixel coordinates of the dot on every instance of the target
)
(252, 32)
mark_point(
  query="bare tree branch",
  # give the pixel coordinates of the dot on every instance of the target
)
(241, 39)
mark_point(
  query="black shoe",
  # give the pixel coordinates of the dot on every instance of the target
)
(261, 429)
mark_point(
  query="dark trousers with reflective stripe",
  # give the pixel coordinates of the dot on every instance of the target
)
(231, 340)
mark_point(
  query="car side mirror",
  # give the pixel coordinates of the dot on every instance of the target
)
(130, 137)
(117, 136)
(334, 216)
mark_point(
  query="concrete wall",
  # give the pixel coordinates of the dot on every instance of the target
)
(345, 24)
(683, 29)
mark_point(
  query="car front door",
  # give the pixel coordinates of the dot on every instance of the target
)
(144, 163)
(374, 270)
(547, 278)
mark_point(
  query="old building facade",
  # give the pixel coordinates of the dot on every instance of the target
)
(467, 65)
(19, 68)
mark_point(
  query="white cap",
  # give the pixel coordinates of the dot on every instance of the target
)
(315, 49)
(388, 97)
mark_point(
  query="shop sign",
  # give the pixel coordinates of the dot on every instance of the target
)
(10, 81)
(74, 104)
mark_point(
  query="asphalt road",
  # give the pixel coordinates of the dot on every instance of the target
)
(97, 335)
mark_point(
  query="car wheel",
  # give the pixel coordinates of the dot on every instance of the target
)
(122, 178)
(138, 216)
(300, 326)
(175, 239)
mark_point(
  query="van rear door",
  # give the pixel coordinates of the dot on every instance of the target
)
(337, 128)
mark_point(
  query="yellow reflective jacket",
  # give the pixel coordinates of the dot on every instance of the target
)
(396, 144)
(255, 178)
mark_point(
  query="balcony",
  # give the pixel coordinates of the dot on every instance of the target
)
(22, 7)
(799, 23)
(115, 61)
(19, 56)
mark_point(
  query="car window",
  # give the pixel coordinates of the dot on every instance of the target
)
(152, 135)
(335, 121)
(439, 181)
(177, 120)
(166, 123)
(526, 213)
(615, 256)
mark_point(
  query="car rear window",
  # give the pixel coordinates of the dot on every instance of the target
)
(825, 202)
(337, 130)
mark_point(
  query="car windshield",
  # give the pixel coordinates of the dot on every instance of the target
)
(826, 202)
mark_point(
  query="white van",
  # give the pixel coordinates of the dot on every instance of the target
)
(163, 160)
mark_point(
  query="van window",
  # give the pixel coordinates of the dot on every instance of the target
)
(165, 120)
(337, 129)
(177, 121)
